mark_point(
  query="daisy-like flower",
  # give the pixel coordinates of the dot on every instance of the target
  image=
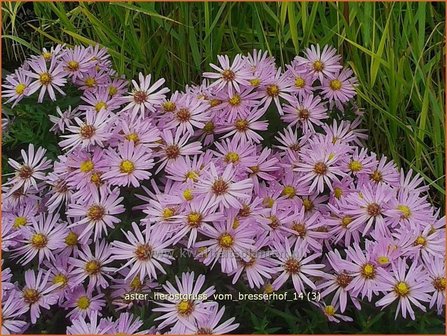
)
(263, 168)
(321, 63)
(144, 96)
(302, 79)
(245, 129)
(331, 314)
(360, 162)
(37, 293)
(384, 172)
(92, 79)
(128, 324)
(239, 154)
(42, 238)
(93, 266)
(100, 99)
(30, 171)
(227, 244)
(174, 146)
(64, 120)
(278, 86)
(208, 324)
(436, 271)
(81, 327)
(47, 78)
(144, 253)
(98, 214)
(83, 303)
(76, 62)
(306, 111)
(140, 132)
(12, 314)
(407, 286)
(186, 303)
(130, 165)
(238, 105)
(340, 86)
(220, 188)
(16, 87)
(319, 167)
(231, 76)
(368, 206)
(197, 216)
(296, 265)
(190, 112)
(93, 131)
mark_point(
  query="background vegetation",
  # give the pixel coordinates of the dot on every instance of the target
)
(396, 50)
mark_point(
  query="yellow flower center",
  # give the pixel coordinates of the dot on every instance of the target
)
(100, 105)
(39, 240)
(292, 266)
(19, 222)
(168, 213)
(96, 178)
(320, 168)
(112, 90)
(376, 176)
(329, 310)
(185, 307)
(368, 271)
(236, 223)
(308, 204)
(90, 82)
(288, 191)
(45, 78)
(47, 55)
(420, 241)
(255, 82)
(318, 65)
(96, 212)
(132, 137)
(338, 192)
(71, 239)
(169, 106)
(345, 221)
(127, 167)
(83, 302)
(92, 267)
(232, 157)
(73, 66)
(143, 252)
(20, 88)
(30, 295)
(241, 125)
(215, 102)
(402, 288)
(439, 284)
(86, 166)
(355, 166)
(209, 127)
(226, 240)
(187, 195)
(60, 279)
(405, 210)
(268, 288)
(228, 75)
(194, 219)
(272, 90)
(268, 202)
(235, 100)
(383, 260)
(335, 84)
(136, 284)
(299, 82)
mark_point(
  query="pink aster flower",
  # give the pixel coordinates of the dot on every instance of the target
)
(100, 99)
(331, 314)
(47, 78)
(245, 129)
(175, 146)
(302, 79)
(128, 324)
(339, 86)
(238, 105)
(296, 265)
(144, 253)
(321, 62)
(28, 173)
(93, 131)
(12, 314)
(37, 293)
(93, 266)
(64, 120)
(436, 271)
(144, 96)
(278, 86)
(99, 213)
(16, 87)
(76, 62)
(209, 323)
(130, 165)
(42, 238)
(83, 303)
(186, 303)
(81, 327)
(140, 132)
(190, 112)
(231, 76)
(227, 244)
(306, 111)
(407, 286)
(222, 189)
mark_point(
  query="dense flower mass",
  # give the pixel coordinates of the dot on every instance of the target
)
(142, 174)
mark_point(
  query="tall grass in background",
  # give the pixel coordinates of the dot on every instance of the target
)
(396, 50)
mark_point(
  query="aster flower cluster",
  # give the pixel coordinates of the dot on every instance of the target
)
(143, 174)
